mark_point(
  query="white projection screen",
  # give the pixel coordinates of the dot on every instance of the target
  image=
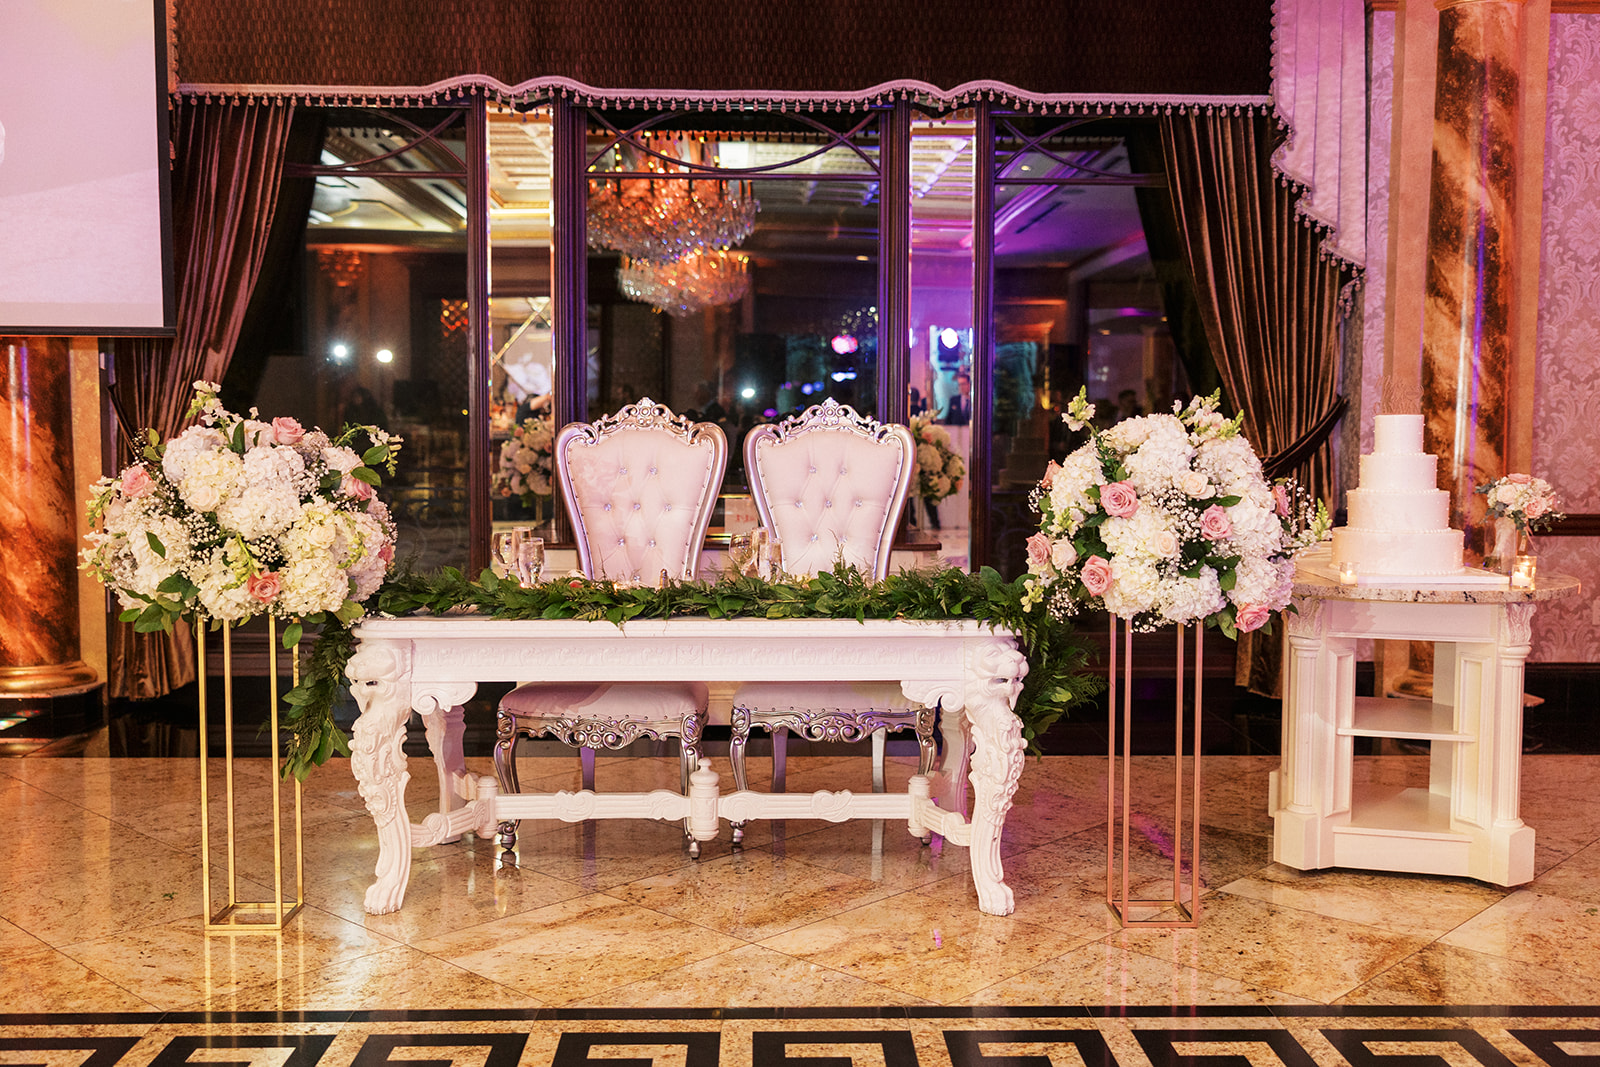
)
(85, 234)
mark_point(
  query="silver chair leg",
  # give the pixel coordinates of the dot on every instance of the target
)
(688, 760)
(780, 758)
(505, 772)
(736, 744)
(880, 746)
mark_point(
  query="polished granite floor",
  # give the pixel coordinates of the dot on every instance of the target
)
(612, 923)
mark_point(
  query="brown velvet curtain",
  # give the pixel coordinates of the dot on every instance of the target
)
(1267, 296)
(225, 189)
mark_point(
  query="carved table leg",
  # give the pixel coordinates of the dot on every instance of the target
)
(994, 678)
(380, 682)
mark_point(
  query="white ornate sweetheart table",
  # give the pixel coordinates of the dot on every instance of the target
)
(432, 666)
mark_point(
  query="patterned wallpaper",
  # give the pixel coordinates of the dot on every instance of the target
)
(1566, 420)
(1380, 117)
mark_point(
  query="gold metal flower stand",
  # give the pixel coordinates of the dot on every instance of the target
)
(1119, 813)
(246, 916)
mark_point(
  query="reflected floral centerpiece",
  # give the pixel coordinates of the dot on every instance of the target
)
(938, 471)
(1164, 519)
(237, 516)
(527, 461)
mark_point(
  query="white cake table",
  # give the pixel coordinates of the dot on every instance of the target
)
(1466, 821)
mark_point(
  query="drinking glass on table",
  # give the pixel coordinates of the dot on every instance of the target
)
(530, 560)
(742, 553)
(769, 555)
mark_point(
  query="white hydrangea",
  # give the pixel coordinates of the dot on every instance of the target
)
(1261, 581)
(1164, 457)
(312, 583)
(1135, 586)
(224, 594)
(182, 450)
(276, 479)
(1069, 492)
(1147, 533)
(1191, 598)
(212, 477)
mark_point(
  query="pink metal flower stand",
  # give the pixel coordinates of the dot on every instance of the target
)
(1119, 774)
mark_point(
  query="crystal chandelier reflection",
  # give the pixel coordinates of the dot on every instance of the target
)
(688, 284)
(664, 219)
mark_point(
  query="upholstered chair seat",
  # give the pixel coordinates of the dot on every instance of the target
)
(639, 487)
(830, 484)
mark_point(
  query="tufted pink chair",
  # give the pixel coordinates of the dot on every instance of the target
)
(830, 484)
(639, 486)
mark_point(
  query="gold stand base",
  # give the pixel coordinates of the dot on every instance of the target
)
(239, 916)
(1118, 896)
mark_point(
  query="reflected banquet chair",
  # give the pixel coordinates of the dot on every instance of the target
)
(639, 487)
(830, 484)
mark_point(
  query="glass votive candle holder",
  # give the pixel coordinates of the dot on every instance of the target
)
(1523, 572)
(1348, 572)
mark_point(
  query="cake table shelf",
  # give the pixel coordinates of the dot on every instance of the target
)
(1466, 821)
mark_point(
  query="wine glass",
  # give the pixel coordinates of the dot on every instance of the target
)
(742, 552)
(504, 548)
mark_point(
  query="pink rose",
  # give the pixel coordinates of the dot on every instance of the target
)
(1535, 507)
(1119, 499)
(386, 553)
(1251, 617)
(1519, 479)
(1097, 575)
(1214, 523)
(1038, 552)
(287, 431)
(1049, 478)
(265, 587)
(355, 488)
(136, 482)
(1280, 500)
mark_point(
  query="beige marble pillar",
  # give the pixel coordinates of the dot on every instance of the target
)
(39, 651)
(1472, 272)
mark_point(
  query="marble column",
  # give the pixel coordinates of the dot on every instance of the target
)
(1471, 289)
(39, 651)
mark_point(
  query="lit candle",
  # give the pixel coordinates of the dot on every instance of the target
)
(1523, 571)
(1347, 572)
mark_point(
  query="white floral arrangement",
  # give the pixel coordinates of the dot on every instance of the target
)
(1165, 519)
(237, 516)
(937, 470)
(1527, 501)
(527, 461)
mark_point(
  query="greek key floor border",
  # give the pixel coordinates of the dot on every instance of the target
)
(1201, 1036)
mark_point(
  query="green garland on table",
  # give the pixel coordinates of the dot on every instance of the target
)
(1056, 682)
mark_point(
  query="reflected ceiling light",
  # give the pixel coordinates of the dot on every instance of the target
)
(949, 338)
(340, 350)
(844, 344)
(383, 355)
(687, 285)
(664, 219)
(747, 393)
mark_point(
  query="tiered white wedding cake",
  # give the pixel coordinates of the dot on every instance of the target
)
(1399, 517)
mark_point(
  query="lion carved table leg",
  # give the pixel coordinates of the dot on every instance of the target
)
(994, 679)
(380, 682)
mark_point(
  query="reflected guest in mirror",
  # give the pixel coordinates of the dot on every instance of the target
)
(363, 409)
(959, 410)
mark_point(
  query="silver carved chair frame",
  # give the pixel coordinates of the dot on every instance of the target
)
(831, 484)
(639, 487)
